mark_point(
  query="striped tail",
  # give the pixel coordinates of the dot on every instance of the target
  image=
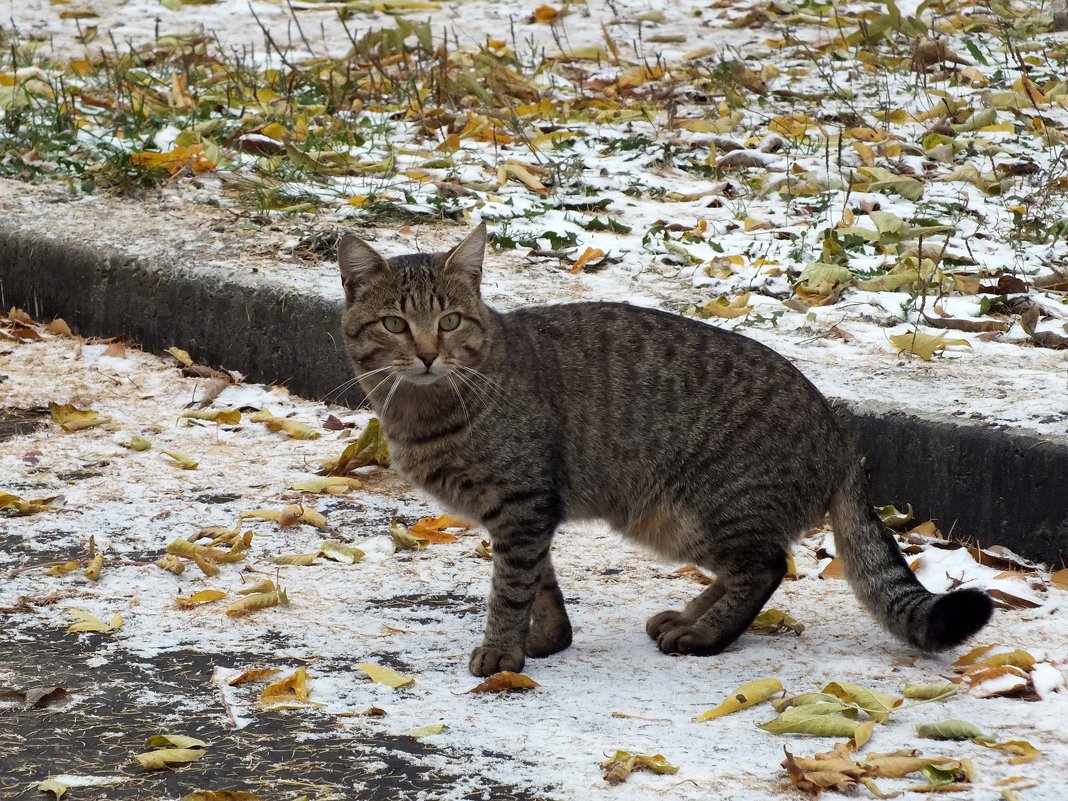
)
(883, 582)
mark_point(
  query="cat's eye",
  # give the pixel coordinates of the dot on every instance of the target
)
(449, 321)
(395, 325)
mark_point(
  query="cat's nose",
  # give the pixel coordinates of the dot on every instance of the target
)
(427, 358)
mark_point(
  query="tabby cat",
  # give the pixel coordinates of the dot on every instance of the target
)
(700, 443)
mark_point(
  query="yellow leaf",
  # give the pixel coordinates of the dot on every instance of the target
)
(91, 622)
(1023, 750)
(427, 731)
(27, 506)
(96, 564)
(505, 681)
(63, 569)
(878, 705)
(202, 597)
(292, 515)
(369, 448)
(71, 418)
(925, 345)
(328, 485)
(168, 757)
(52, 786)
(181, 460)
(175, 160)
(218, 416)
(384, 675)
(337, 552)
(404, 539)
(293, 687)
(257, 601)
(620, 765)
(182, 356)
(293, 428)
(137, 443)
(1059, 578)
(744, 697)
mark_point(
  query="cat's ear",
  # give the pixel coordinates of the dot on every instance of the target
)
(466, 258)
(358, 262)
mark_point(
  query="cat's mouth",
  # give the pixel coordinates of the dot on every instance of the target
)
(423, 375)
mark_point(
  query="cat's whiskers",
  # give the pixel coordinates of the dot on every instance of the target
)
(490, 392)
(347, 384)
(393, 372)
(459, 397)
(397, 381)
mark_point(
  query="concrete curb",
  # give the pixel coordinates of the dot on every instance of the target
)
(984, 484)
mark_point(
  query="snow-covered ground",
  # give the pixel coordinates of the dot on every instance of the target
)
(420, 611)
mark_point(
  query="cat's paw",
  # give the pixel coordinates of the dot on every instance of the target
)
(689, 638)
(487, 660)
(544, 640)
(659, 625)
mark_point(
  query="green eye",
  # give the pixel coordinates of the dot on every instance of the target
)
(395, 325)
(449, 321)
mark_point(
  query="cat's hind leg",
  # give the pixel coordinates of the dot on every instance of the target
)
(550, 628)
(743, 588)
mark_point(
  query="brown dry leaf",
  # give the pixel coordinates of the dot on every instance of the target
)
(116, 350)
(252, 674)
(813, 782)
(1023, 750)
(505, 681)
(695, 573)
(1007, 600)
(71, 418)
(588, 255)
(432, 529)
(835, 570)
(1059, 578)
(175, 160)
(1000, 681)
(59, 327)
(545, 14)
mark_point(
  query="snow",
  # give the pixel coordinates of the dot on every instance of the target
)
(612, 689)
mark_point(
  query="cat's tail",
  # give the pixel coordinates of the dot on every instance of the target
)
(884, 583)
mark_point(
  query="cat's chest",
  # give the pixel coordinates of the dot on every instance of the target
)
(448, 473)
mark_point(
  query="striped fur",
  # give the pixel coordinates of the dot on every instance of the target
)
(702, 444)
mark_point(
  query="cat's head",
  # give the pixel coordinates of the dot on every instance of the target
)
(420, 314)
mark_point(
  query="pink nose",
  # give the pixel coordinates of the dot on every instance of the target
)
(427, 358)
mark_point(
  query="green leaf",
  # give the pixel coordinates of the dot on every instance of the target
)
(823, 719)
(930, 692)
(939, 775)
(925, 345)
(818, 274)
(951, 729)
(744, 697)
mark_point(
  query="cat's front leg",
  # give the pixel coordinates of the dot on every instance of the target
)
(520, 554)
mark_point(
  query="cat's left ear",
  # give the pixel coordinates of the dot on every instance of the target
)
(358, 262)
(467, 257)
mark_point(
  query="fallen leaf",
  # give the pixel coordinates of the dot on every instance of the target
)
(427, 731)
(183, 461)
(71, 418)
(29, 506)
(384, 675)
(369, 448)
(292, 688)
(221, 795)
(337, 552)
(168, 757)
(294, 428)
(878, 705)
(1023, 750)
(57, 789)
(925, 345)
(292, 515)
(252, 674)
(1059, 578)
(257, 601)
(95, 566)
(775, 621)
(951, 729)
(328, 485)
(822, 718)
(217, 416)
(63, 569)
(744, 697)
(404, 539)
(174, 741)
(929, 692)
(432, 529)
(621, 764)
(137, 443)
(505, 681)
(91, 622)
(197, 598)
